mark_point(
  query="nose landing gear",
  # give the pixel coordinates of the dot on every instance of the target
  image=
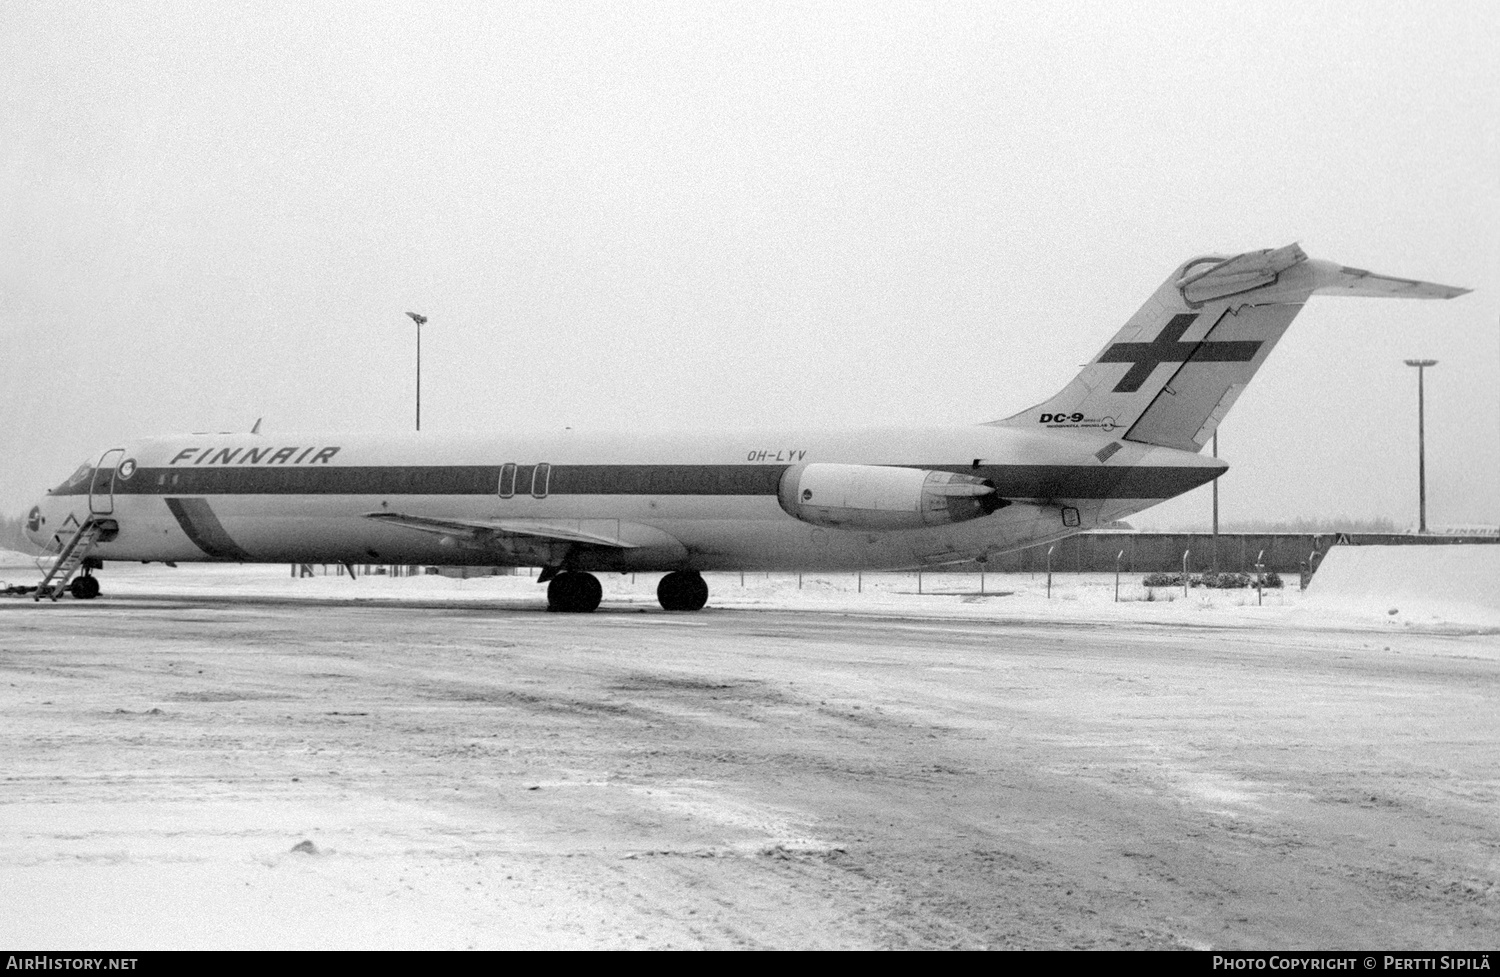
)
(85, 587)
(682, 590)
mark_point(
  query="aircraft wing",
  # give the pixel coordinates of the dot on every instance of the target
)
(493, 530)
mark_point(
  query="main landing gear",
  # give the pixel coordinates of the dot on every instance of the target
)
(682, 590)
(576, 592)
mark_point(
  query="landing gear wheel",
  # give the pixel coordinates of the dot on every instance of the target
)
(84, 588)
(574, 592)
(682, 590)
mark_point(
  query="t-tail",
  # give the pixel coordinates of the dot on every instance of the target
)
(1172, 373)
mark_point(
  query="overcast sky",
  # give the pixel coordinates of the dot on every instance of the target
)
(646, 216)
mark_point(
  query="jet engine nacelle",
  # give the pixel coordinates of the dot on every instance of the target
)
(883, 497)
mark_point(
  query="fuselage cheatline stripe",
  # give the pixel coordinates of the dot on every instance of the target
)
(1011, 481)
(204, 529)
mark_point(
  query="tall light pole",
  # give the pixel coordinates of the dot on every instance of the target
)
(418, 319)
(1421, 366)
(1216, 506)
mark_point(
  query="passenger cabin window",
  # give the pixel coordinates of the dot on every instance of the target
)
(539, 480)
(507, 480)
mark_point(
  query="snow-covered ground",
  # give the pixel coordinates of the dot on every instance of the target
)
(848, 763)
(1079, 597)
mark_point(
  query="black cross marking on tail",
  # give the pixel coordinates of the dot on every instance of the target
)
(1168, 347)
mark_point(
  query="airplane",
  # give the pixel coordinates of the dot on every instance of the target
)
(1124, 435)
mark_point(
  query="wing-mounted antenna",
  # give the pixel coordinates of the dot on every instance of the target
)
(256, 428)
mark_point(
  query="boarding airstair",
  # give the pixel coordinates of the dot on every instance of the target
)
(75, 554)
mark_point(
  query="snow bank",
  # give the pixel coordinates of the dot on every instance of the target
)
(10, 558)
(1455, 584)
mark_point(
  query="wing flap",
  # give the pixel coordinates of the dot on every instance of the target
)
(481, 530)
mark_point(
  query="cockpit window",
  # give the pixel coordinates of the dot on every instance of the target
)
(80, 477)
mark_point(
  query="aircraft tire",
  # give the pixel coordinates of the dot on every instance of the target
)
(573, 592)
(682, 590)
(84, 588)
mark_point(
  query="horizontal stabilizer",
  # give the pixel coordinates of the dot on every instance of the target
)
(1357, 281)
(1238, 274)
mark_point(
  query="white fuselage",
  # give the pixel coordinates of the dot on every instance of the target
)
(668, 501)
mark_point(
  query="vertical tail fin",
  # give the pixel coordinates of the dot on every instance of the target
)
(1172, 373)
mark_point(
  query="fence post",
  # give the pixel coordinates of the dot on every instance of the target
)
(1118, 556)
(1260, 566)
(1049, 571)
(1185, 572)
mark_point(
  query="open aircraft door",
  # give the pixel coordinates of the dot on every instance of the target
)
(102, 488)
